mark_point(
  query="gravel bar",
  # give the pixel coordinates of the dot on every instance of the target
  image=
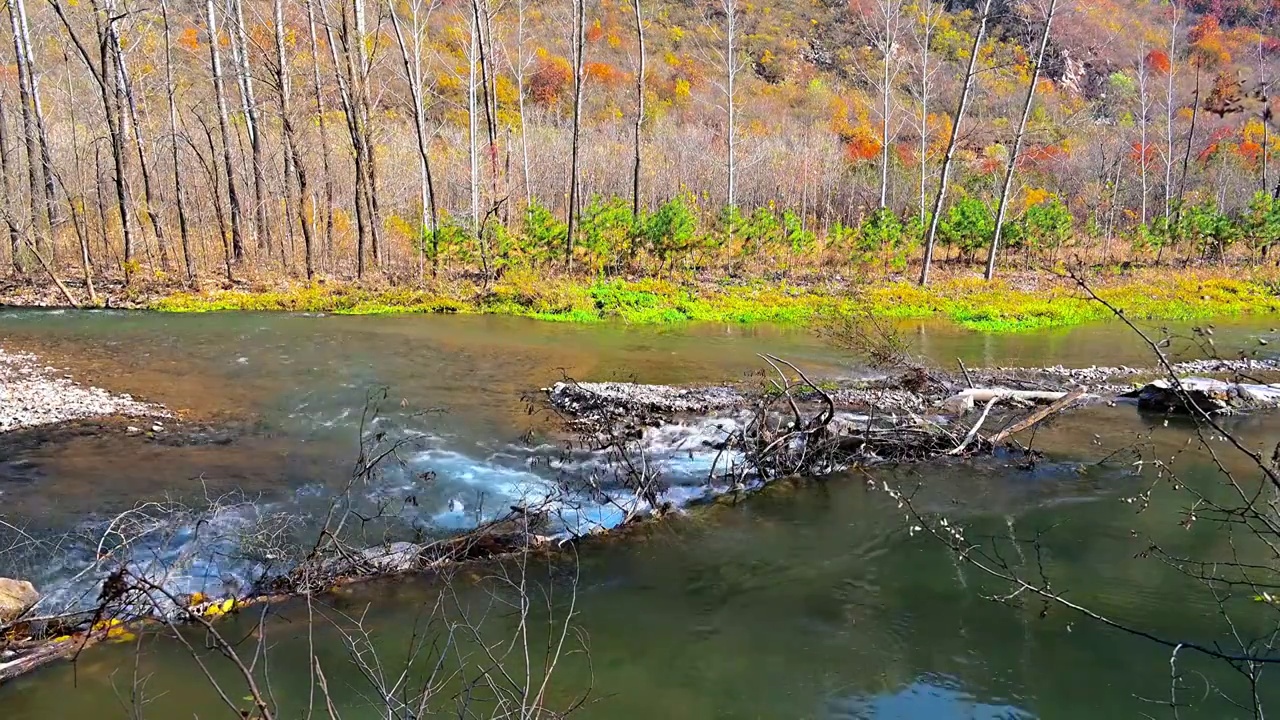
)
(33, 394)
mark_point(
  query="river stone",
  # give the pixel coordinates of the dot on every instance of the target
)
(16, 597)
(1208, 395)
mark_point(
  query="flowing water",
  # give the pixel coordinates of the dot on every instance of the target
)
(807, 602)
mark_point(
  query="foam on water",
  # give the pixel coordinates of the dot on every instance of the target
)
(435, 488)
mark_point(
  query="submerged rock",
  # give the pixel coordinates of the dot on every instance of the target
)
(16, 597)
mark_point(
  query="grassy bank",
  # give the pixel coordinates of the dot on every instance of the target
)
(1025, 303)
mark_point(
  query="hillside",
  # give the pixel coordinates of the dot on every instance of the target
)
(1147, 136)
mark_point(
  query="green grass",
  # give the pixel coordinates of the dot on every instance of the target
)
(996, 308)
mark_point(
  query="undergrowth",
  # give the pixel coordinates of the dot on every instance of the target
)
(971, 303)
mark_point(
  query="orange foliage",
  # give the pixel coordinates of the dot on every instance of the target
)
(1158, 61)
(1207, 47)
(551, 76)
(863, 146)
(604, 73)
(189, 38)
(594, 32)
(1250, 151)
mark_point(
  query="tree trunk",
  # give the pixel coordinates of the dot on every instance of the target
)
(184, 229)
(6, 184)
(1005, 188)
(579, 44)
(150, 205)
(294, 161)
(249, 101)
(640, 75)
(427, 195)
(37, 220)
(344, 72)
(42, 135)
(323, 127)
(224, 130)
(940, 198)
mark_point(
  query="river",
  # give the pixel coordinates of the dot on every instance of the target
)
(806, 602)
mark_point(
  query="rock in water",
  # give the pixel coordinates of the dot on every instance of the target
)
(1206, 394)
(16, 597)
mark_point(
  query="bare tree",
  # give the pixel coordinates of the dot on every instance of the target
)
(323, 129)
(640, 78)
(882, 24)
(107, 81)
(252, 124)
(130, 102)
(295, 168)
(939, 199)
(578, 43)
(1144, 122)
(411, 57)
(26, 100)
(922, 31)
(184, 229)
(6, 184)
(224, 129)
(1011, 166)
(1169, 109)
(520, 67)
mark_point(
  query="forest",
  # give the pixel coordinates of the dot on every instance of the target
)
(184, 142)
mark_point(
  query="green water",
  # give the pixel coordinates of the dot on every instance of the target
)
(806, 602)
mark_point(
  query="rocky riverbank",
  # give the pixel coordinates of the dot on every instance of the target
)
(33, 395)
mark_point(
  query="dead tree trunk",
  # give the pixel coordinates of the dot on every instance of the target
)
(940, 198)
(1003, 206)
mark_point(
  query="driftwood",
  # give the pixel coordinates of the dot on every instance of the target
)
(964, 401)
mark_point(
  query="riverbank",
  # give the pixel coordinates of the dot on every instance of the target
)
(1023, 302)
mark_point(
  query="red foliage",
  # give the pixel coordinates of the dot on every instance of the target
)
(1158, 61)
(594, 32)
(863, 147)
(1215, 144)
(1146, 157)
(550, 77)
(1043, 157)
(906, 153)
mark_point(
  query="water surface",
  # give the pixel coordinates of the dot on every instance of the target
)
(813, 602)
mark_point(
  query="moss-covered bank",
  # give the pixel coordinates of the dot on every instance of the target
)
(1026, 303)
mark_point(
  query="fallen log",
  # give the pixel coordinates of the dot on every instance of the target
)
(964, 401)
